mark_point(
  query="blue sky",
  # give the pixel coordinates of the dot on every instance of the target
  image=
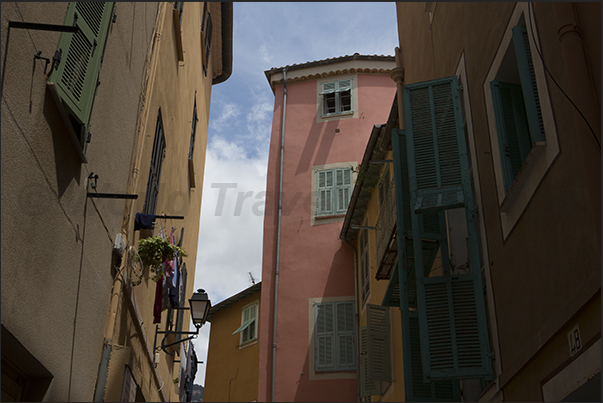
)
(265, 35)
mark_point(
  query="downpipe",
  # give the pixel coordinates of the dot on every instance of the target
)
(278, 235)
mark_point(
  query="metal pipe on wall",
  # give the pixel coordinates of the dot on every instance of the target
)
(278, 235)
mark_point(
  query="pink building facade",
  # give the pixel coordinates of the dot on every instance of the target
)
(323, 115)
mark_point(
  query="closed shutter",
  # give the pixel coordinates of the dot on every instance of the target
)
(343, 186)
(528, 82)
(345, 336)
(158, 154)
(324, 360)
(76, 76)
(511, 127)
(207, 37)
(433, 118)
(451, 309)
(368, 387)
(379, 343)
(324, 196)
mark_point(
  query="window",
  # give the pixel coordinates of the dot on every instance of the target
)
(177, 22)
(191, 148)
(365, 264)
(150, 202)
(516, 106)
(74, 79)
(334, 336)
(333, 191)
(248, 327)
(336, 97)
(205, 38)
(178, 5)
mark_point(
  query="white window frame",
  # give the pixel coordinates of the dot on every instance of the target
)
(513, 203)
(253, 338)
(337, 88)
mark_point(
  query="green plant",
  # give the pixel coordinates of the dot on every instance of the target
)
(154, 251)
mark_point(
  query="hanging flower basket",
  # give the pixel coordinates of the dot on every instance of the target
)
(154, 251)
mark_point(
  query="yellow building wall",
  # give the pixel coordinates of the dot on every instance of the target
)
(395, 391)
(232, 370)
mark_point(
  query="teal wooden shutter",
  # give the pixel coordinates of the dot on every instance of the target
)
(324, 194)
(344, 96)
(528, 82)
(76, 76)
(368, 387)
(416, 388)
(345, 336)
(325, 335)
(433, 115)
(451, 308)
(511, 127)
(343, 186)
(379, 343)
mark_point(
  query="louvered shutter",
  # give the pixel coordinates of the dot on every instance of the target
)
(433, 115)
(378, 343)
(511, 127)
(343, 186)
(328, 88)
(76, 76)
(344, 85)
(324, 202)
(207, 37)
(345, 336)
(451, 309)
(368, 387)
(158, 154)
(528, 82)
(325, 343)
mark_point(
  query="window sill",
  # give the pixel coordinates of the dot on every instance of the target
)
(248, 344)
(325, 217)
(332, 115)
(345, 371)
(523, 176)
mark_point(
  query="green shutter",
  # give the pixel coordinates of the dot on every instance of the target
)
(392, 293)
(379, 343)
(343, 186)
(325, 335)
(437, 158)
(451, 309)
(511, 127)
(345, 336)
(368, 387)
(324, 194)
(81, 55)
(528, 82)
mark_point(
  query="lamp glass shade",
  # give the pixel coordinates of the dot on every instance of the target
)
(200, 306)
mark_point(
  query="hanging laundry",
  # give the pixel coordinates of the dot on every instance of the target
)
(144, 221)
(157, 308)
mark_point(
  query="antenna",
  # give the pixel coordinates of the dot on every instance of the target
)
(251, 278)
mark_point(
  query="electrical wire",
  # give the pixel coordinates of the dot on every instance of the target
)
(555, 81)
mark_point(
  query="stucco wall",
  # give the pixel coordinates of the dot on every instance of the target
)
(548, 266)
(232, 369)
(56, 252)
(313, 261)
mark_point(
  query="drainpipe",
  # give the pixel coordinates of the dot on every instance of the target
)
(582, 93)
(356, 314)
(278, 233)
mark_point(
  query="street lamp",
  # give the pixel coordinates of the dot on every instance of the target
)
(199, 307)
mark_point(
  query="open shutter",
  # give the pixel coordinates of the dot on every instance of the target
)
(207, 37)
(511, 127)
(150, 203)
(344, 85)
(368, 387)
(343, 185)
(451, 309)
(345, 336)
(433, 115)
(324, 194)
(76, 76)
(378, 343)
(528, 82)
(325, 343)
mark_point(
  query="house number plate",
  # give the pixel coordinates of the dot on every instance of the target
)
(575, 343)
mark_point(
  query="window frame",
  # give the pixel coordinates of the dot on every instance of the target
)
(333, 189)
(513, 203)
(157, 157)
(248, 340)
(337, 97)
